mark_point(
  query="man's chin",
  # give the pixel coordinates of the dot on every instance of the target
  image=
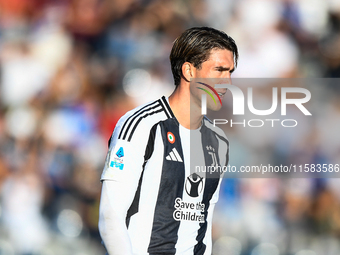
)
(214, 108)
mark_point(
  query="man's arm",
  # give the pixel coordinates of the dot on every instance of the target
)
(112, 215)
(120, 178)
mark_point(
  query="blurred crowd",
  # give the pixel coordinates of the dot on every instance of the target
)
(69, 69)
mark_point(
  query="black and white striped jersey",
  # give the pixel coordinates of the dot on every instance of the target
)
(171, 206)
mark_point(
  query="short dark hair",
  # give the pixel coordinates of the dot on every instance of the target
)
(194, 46)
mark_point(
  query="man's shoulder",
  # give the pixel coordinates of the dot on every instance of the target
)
(142, 118)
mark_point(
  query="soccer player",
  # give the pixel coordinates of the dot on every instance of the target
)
(151, 202)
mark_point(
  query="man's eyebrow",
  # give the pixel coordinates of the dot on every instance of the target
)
(222, 68)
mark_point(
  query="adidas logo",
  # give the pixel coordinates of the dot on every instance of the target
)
(174, 156)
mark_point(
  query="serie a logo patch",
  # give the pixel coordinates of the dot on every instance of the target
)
(118, 160)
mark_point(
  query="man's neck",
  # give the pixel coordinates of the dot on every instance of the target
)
(189, 116)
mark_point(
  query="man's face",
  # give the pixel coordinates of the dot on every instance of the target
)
(218, 68)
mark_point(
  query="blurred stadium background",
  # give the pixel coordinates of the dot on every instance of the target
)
(70, 68)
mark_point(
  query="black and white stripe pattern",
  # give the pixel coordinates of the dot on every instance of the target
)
(160, 173)
(133, 121)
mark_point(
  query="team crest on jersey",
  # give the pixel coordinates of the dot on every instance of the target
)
(211, 152)
(118, 159)
(194, 185)
(171, 137)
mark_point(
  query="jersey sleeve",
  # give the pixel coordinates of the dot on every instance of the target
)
(120, 177)
(125, 157)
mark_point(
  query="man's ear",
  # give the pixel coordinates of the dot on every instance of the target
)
(188, 71)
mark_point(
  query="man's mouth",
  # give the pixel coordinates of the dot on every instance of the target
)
(221, 94)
